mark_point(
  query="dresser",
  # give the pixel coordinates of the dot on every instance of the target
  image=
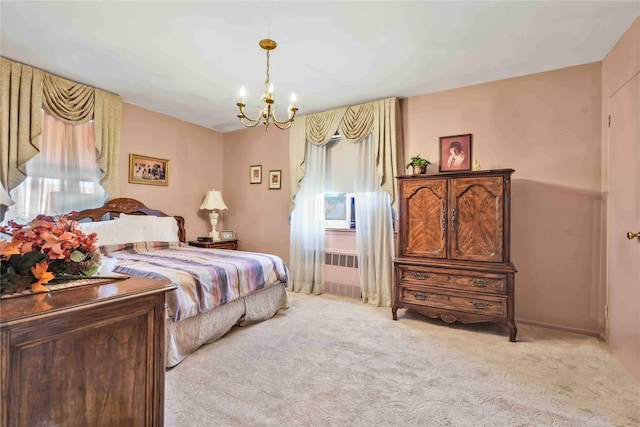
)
(91, 355)
(453, 255)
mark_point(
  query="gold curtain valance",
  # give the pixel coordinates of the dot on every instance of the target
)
(322, 126)
(71, 102)
(24, 92)
(355, 122)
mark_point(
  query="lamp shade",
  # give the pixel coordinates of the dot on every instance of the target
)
(213, 200)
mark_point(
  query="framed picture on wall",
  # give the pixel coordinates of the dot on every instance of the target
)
(255, 174)
(148, 170)
(455, 153)
(275, 180)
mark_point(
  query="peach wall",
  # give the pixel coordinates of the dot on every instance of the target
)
(620, 65)
(623, 61)
(196, 164)
(259, 216)
(546, 126)
(341, 241)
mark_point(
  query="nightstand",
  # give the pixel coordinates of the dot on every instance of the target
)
(218, 244)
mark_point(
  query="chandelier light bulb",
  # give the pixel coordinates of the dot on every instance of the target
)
(243, 92)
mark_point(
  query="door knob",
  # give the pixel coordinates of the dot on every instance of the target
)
(631, 235)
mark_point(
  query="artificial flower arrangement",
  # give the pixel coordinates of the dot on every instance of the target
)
(44, 249)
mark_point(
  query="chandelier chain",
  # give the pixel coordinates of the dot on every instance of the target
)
(267, 82)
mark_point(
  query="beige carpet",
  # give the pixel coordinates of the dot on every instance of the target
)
(333, 361)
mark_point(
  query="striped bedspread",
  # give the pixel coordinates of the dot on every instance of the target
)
(208, 278)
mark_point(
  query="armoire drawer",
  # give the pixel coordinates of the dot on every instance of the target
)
(468, 303)
(452, 279)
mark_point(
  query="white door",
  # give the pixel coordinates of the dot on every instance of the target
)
(623, 216)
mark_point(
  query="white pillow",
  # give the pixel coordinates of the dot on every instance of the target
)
(155, 228)
(113, 232)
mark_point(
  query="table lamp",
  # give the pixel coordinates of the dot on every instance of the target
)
(214, 203)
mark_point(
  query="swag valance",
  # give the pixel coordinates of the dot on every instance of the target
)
(381, 117)
(24, 92)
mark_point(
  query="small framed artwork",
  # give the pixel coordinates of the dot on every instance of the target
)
(455, 153)
(275, 180)
(148, 170)
(255, 174)
(227, 234)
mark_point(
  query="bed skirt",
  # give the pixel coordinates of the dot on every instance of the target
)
(186, 336)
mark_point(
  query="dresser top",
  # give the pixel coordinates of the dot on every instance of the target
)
(26, 306)
(459, 174)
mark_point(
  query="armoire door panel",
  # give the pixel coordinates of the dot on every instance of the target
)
(426, 219)
(477, 219)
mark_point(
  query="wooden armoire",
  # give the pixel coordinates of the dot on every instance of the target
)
(453, 258)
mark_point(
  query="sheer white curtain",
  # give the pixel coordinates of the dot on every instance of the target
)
(374, 229)
(63, 177)
(381, 119)
(306, 256)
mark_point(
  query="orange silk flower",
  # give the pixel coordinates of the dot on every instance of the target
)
(40, 272)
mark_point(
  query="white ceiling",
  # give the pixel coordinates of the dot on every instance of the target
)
(189, 59)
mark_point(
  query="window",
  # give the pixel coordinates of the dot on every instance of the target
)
(339, 201)
(63, 177)
(339, 210)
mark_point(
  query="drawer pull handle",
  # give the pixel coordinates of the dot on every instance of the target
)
(481, 304)
(420, 276)
(419, 295)
(481, 283)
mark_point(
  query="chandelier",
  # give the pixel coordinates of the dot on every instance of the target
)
(268, 112)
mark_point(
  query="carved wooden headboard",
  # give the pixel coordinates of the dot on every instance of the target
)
(113, 208)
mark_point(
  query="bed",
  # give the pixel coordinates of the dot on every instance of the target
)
(218, 288)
